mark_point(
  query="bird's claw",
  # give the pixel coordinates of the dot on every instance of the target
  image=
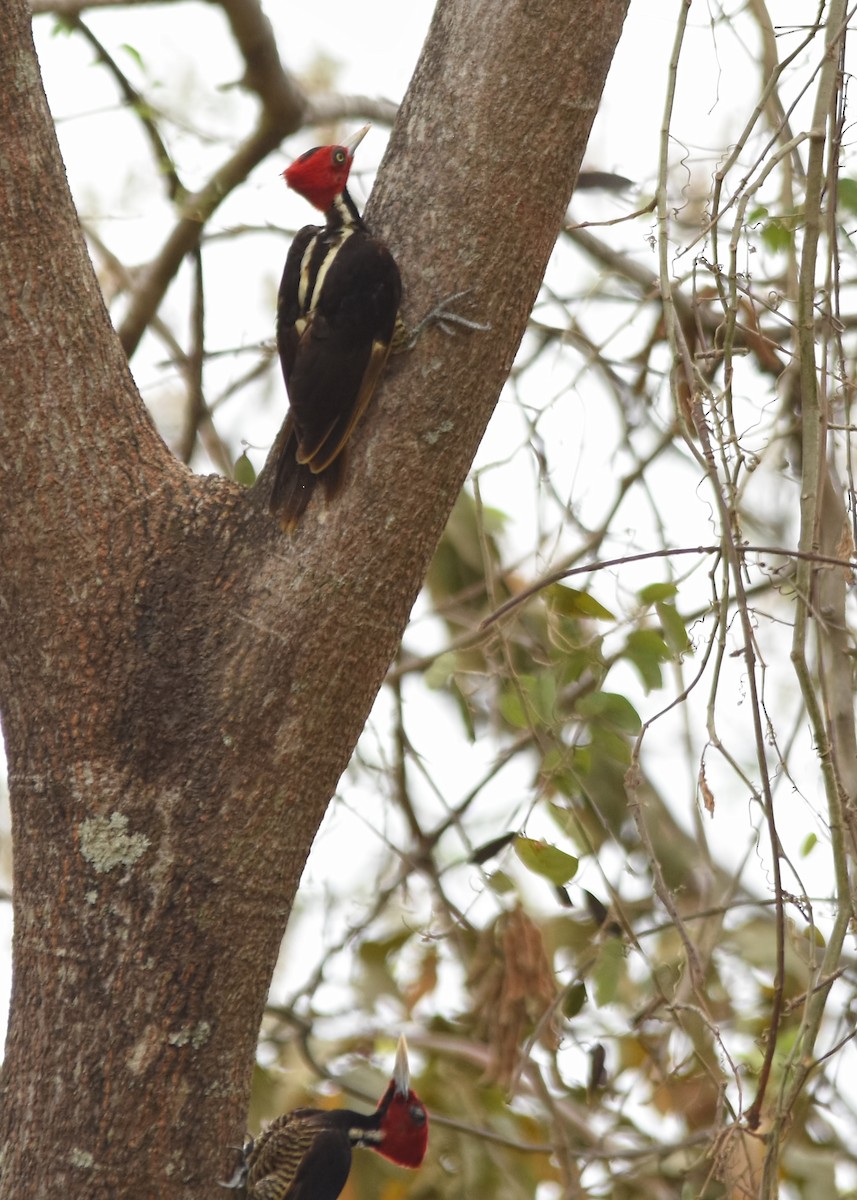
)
(239, 1175)
(445, 319)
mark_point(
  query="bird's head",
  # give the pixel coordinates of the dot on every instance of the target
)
(403, 1120)
(321, 174)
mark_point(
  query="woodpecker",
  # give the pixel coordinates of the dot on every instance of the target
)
(306, 1154)
(336, 317)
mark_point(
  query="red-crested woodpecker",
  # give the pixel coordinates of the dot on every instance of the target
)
(337, 322)
(306, 1154)
(336, 315)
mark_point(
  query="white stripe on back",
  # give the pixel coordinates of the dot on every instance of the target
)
(307, 300)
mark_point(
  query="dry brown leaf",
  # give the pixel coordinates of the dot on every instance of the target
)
(705, 791)
(739, 1162)
(513, 988)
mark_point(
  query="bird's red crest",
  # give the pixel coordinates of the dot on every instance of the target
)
(404, 1128)
(320, 174)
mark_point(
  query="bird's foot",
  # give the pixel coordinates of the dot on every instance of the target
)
(441, 315)
(239, 1175)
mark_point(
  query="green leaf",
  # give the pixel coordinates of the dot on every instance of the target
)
(675, 633)
(572, 603)
(562, 816)
(134, 53)
(657, 591)
(808, 844)
(542, 696)
(532, 700)
(581, 763)
(612, 709)
(646, 649)
(378, 951)
(245, 473)
(512, 706)
(847, 195)
(597, 911)
(557, 771)
(574, 999)
(546, 860)
(575, 660)
(563, 771)
(468, 527)
(562, 781)
(611, 746)
(439, 672)
(608, 971)
(500, 883)
(777, 236)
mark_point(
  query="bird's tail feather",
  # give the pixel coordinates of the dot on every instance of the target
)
(294, 482)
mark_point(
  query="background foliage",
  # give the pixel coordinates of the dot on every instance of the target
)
(595, 849)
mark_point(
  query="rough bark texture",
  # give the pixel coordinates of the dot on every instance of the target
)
(180, 685)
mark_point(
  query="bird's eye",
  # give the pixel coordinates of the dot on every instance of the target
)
(418, 1115)
(339, 157)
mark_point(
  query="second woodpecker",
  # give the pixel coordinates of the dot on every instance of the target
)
(306, 1154)
(336, 316)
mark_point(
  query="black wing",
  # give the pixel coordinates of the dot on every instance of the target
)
(336, 314)
(334, 354)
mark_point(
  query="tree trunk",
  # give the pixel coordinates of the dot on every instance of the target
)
(181, 685)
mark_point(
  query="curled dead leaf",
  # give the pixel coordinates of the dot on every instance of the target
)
(514, 989)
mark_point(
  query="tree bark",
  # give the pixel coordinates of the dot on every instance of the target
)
(181, 686)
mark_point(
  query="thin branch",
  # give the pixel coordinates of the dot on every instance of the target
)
(164, 165)
(670, 552)
(73, 8)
